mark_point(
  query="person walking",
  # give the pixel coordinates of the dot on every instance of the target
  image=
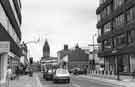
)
(17, 72)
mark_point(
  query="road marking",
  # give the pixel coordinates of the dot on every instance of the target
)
(76, 85)
(38, 82)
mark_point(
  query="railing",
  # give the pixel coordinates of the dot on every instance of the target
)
(103, 74)
(110, 75)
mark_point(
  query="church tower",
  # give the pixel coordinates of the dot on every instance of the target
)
(46, 50)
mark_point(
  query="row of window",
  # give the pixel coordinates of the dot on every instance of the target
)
(120, 20)
(120, 40)
(117, 3)
(107, 11)
(14, 11)
(7, 25)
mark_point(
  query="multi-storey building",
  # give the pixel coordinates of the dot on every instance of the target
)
(116, 27)
(10, 35)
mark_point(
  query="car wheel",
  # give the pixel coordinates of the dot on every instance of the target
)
(68, 80)
(55, 81)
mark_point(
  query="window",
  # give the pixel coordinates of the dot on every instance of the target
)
(98, 17)
(108, 44)
(121, 40)
(102, 1)
(117, 3)
(118, 21)
(107, 27)
(123, 61)
(99, 32)
(130, 14)
(106, 12)
(131, 36)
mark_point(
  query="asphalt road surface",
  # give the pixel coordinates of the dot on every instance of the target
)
(76, 81)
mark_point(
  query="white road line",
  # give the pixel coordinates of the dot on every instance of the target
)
(76, 85)
(38, 82)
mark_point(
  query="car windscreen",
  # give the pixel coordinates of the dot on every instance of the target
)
(61, 71)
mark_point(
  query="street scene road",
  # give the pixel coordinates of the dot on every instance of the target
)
(84, 43)
(76, 81)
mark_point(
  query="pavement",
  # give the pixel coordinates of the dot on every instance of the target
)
(34, 81)
(121, 83)
(24, 81)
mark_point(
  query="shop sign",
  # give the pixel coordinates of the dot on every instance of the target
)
(4, 46)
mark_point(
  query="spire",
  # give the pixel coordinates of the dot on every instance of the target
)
(46, 49)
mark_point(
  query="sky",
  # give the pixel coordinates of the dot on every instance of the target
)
(60, 22)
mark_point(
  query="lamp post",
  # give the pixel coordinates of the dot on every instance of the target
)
(91, 62)
(30, 42)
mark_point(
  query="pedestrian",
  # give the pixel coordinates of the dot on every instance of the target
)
(17, 72)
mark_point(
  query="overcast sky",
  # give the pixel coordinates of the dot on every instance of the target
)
(60, 21)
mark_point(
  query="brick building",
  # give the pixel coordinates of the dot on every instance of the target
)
(76, 57)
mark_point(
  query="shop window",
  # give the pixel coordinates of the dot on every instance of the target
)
(123, 62)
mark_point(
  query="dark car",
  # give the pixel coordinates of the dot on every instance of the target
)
(48, 75)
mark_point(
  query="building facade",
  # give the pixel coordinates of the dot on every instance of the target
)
(116, 28)
(76, 57)
(10, 35)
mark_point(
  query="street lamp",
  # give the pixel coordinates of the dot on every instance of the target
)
(30, 42)
(93, 53)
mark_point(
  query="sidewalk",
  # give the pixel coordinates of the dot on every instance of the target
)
(25, 81)
(122, 83)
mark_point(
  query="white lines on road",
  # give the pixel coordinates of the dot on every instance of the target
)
(75, 85)
(38, 82)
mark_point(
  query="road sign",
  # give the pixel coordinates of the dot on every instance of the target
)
(4, 46)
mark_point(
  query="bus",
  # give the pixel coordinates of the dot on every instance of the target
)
(48, 68)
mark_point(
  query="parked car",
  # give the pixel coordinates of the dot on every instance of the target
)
(49, 74)
(61, 75)
(77, 71)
